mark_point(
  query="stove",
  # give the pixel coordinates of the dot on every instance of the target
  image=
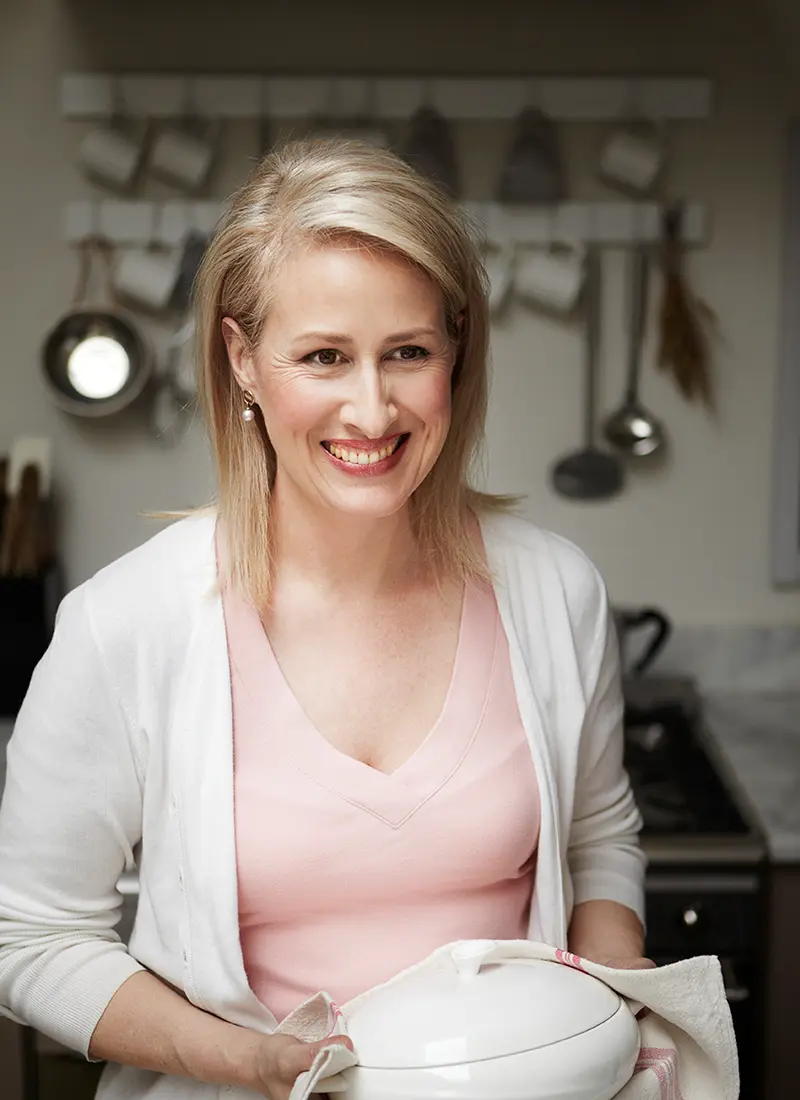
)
(676, 786)
(706, 882)
(691, 807)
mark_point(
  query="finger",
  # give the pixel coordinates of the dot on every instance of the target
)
(636, 964)
(307, 1052)
(301, 1059)
(627, 963)
(334, 1040)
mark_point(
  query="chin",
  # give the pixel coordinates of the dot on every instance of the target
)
(373, 497)
(370, 505)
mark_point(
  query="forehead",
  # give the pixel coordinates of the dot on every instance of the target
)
(350, 277)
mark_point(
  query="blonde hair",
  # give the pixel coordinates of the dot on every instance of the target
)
(317, 192)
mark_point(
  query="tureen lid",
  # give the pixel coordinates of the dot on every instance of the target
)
(458, 1010)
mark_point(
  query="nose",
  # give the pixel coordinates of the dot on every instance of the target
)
(369, 408)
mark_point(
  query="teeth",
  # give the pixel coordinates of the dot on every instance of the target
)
(363, 458)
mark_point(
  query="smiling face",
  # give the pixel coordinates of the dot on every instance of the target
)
(352, 374)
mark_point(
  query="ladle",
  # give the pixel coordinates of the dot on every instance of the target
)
(589, 473)
(632, 430)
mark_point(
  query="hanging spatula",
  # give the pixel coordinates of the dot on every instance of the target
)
(532, 170)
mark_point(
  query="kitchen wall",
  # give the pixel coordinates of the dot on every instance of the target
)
(692, 536)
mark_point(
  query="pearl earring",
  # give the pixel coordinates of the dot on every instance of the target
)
(247, 413)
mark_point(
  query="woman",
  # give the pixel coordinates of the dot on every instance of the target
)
(357, 712)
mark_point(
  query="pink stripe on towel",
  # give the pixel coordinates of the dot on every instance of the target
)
(663, 1061)
(336, 1014)
(568, 959)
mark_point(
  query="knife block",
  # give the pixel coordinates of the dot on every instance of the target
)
(27, 614)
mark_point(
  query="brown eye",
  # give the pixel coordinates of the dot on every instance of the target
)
(410, 353)
(326, 357)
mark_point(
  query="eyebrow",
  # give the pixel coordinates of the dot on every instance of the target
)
(392, 338)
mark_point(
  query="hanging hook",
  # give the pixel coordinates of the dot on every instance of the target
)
(533, 93)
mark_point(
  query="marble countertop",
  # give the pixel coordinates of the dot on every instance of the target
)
(757, 741)
(757, 737)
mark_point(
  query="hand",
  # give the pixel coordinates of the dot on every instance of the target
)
(608, 934)
(280, 1059)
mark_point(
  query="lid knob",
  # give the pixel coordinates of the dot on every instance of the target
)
(470, 956)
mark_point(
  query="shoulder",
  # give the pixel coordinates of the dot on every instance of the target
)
(128, 626)
(533, 549)
(157, 586)
(530, 559)
(556, 604)
(179, 554)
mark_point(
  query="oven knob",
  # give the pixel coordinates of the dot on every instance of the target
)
(691, 916)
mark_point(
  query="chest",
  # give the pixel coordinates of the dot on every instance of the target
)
(373, 681)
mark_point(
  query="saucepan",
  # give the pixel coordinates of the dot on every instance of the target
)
(95, 359)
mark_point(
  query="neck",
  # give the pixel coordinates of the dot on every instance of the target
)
(344, 553)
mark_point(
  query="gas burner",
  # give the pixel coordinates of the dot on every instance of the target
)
(648, 736)
(663, 806)
(674, 783)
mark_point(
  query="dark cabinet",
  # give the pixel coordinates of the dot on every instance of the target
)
(782, 984)
(786, 436)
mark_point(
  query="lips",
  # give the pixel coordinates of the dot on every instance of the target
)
(363, 453)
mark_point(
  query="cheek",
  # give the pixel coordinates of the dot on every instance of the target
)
(292, 404)
(429, 396)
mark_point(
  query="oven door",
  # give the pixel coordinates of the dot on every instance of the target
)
(699, 912)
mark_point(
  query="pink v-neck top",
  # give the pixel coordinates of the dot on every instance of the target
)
(347, 874)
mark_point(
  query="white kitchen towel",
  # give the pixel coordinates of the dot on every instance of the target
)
(688, 1049)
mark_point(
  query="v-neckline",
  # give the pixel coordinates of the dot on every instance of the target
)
(394, 796)
(203, 780)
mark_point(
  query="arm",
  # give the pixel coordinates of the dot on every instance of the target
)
(69, 822)
(148, 1025)
(604, 854)
(607, 933)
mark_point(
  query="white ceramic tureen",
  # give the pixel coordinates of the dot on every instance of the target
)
(471, 1029)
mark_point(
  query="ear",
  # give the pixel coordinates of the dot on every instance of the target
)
(455, 326)
(239, 355)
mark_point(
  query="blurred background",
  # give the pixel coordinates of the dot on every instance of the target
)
(608, 151)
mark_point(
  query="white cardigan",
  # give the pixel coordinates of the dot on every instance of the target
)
(121, 758)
